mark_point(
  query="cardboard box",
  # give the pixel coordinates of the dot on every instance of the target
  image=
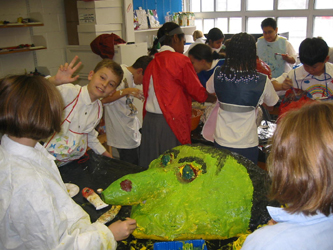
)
(72, 35)
(100, 12)
(88, 32)
(71, 11)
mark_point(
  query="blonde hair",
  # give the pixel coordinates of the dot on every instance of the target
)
(301, 161)
(30, 106)
(197, 34)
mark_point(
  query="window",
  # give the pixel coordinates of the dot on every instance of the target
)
(292, 5)
(254, 25)
(296, 26)
(259, 5)
(235, 25)
(208, 5)
(228, 5)
(323, 4)
(195, 5)
(320, 28)
(198, 24)
(208, 24)
(301, 18)
(222, 24)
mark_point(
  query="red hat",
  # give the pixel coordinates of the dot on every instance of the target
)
(103, 45)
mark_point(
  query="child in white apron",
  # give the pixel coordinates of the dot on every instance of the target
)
(83, 110)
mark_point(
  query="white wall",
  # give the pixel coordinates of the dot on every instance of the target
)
(52, 14)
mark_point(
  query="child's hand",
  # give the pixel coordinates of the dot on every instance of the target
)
(106, 153)
(122, 229)
(137, 93)
(287, 84)
(65, 72)
(288, 59)
(271, 222)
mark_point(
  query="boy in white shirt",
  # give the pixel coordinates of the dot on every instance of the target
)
(83, 110)
(315, 75)
(275, 50)
(121, 122)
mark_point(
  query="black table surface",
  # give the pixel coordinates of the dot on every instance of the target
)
(97, 171)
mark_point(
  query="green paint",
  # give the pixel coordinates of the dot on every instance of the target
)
(215, 205)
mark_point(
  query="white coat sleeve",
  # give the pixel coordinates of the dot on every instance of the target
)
(94, 143)
(270, 95)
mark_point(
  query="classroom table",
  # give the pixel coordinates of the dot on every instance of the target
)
(97, 171)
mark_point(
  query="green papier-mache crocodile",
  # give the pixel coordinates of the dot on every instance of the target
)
(193, 192)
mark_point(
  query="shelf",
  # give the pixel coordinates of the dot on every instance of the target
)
(18, 25)
(21, 50)
(155, 29)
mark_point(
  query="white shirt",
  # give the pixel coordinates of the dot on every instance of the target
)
(89, 114)
(199, 40)
(36, 211)
(152, 104)
(239, 130)
(292, 231)
(122, 129)
(317, 86)
(291, 52)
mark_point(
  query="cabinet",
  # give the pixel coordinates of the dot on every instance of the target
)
(17, 48)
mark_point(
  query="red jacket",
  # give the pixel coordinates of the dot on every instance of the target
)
(175, 84)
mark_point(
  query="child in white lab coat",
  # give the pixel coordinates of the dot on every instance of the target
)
(83, 110)
(36, 211)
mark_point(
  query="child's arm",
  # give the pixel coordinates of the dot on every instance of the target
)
(122, 229)
(96, 145)
(65, 72)
(283, 82)
(288, 59)
(120, 93)
(106, 153)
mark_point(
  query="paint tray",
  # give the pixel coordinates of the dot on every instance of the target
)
(180, 245)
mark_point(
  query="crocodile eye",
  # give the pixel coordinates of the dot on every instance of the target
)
(188, 172)
(167, 159)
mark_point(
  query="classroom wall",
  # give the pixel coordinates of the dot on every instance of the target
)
(52, 14)
(162, 7)
(54, 31)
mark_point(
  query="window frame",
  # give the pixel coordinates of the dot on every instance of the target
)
(309, 13)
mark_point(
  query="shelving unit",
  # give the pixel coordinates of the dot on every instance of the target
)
(21, 50)
(146, 35)
(12, 49)
(18, 25)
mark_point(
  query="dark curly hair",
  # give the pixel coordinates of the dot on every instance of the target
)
(241, 56)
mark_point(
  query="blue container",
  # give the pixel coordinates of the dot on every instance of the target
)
(178, 245)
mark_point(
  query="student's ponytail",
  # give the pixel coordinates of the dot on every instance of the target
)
(165, 34)
(154, 49)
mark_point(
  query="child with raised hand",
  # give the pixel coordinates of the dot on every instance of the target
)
(300, 167)
(36, 211)
(121, 121)
(315, 75)
(240, 89)
(83, 109)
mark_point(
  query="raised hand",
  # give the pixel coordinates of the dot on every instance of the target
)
(66, 71)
